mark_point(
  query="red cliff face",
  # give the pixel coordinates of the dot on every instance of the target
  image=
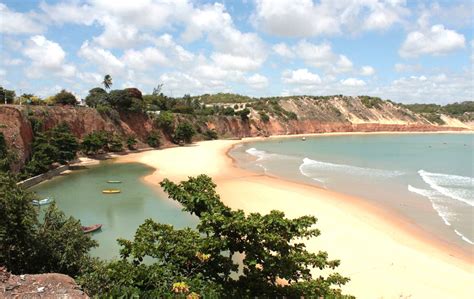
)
(15, 123)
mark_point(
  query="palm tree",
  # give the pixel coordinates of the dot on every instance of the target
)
(107, 81)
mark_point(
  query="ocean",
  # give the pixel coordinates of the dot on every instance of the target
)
(426, 178)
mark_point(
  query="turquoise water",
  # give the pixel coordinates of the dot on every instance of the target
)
(426, 177)
(79, 194)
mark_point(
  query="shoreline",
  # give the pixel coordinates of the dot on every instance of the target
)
(375, 246)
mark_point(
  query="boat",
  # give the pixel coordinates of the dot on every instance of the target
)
(303, 139)
(114, 182)
(92, 228)
(111, 191)
(42, 202)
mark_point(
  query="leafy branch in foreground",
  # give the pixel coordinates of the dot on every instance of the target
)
(269, 249)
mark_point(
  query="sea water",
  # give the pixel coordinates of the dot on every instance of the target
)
(428, 178)
(79, 194)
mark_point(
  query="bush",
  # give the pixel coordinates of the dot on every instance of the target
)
(97, 96)
(244, 114)
(93, 142)
(28, 246)
(184, 133)
(115, 143)
(153, 139)
(229, 111)
(183, 109)
(165, 121)
(67, 145)
(264, 117)
(131, 142)
(65, 98)
(211, 134)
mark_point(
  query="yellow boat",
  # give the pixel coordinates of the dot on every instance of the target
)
(114, 182)
(111, 191)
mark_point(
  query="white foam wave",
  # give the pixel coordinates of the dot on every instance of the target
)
(256, 153)
(453, 186)
(311, 165)
(441, 210)
(463, 237)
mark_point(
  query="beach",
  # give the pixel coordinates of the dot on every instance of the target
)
(383, 255)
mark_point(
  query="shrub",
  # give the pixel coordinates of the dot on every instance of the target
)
(229, 111)
(131, 142)
(264, 117)
(97, 96)
(165, 121)
(153, 139)
(115, 143)
(184, 133)
(211, 134)
(65, 98)
(93, 142)
(244, 114)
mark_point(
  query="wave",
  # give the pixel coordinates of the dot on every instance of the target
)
(263, 155)
(441, 210)
(309, 165)
(463, 237)
(453, 186)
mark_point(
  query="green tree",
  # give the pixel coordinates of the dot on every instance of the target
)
(184, 133)
(107, 81)
(131, 142)
(67, 145)
(97, 96)
(244, 114)
(165, 121)
(65, 98)
(7, 157)
(153, 139)
(115, 143)
(93, 142)
(162, 260)
(28, 246)
(6, 96)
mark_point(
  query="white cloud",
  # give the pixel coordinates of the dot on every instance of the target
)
(322, 56)
(353, 82)
(46, 57)
(90, 77)
(367, 70)
(233, 62)
(440, 88)
(408, 68)
(283, 50)
(301, 77)
(144, 59)
(12, 22)
(103, 59)
(434, 41)
(257, 81)
(304, 18)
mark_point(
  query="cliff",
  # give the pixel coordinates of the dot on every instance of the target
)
(310, 115)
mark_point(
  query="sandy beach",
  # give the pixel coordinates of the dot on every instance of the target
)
(384, 256)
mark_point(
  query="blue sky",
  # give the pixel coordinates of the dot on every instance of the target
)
(407, 51)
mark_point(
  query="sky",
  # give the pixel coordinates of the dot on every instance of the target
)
(406, 51)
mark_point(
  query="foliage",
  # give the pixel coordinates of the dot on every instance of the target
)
(224, 98)
(153, 139)
(131, 142)
(165, 121)
(183, 109)
(97, 96)
(107, 81)
(202, 261)
(65, 98)
(94, 142)
(115, 143)
(7, 96)
(244, 114)
(55, 145)
(28, 246)
(264, 117)
(211, 134)
(184, 133)
(7, 157)
(433, 118)
(229, 111)
(371, 102)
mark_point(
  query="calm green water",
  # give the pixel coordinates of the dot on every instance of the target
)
(426, 177)
(79, 194)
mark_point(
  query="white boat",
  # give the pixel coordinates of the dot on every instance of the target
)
(303, 139)
(43, 202)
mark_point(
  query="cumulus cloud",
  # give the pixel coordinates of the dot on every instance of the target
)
(257, 81)
(283, 50)
(408, 68)
(327, 17)
(353, 82)
(322, 56)
(367, 70)
(47, 57)
(301, 77)
(103, 59)
(436, 40)
(12, 22)
(147, 58)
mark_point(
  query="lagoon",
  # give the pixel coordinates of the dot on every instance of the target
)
(79, 194)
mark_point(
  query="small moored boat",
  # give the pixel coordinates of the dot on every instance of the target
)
(92, 228)
(303, 139)
(114, 182)
(42, 202)
(111, 191)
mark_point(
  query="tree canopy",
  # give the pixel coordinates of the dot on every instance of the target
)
(64, 97)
